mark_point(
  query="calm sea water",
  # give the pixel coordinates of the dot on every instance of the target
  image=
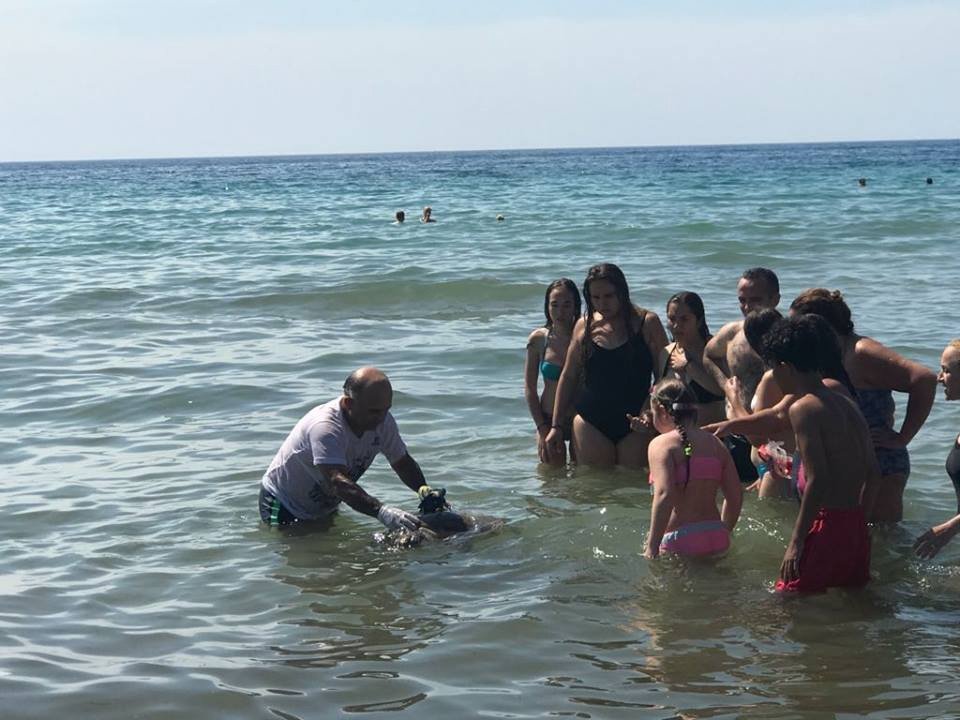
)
(165, 323)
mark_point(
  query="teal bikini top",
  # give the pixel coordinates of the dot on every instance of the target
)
(549, 370)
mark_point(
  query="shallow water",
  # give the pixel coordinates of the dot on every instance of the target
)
(167, 322)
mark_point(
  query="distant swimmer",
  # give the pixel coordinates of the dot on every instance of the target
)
(425, 218)
(399, 217)
(929, 181)
(501, 218)
(320, 463)
(862, 182)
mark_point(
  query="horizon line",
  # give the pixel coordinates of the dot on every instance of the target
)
(279, 156)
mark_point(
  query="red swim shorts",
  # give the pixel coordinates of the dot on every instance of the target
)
(836, 552)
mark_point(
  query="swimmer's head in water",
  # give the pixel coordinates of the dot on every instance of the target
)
(400, 216)
(427, 211)
(862, 182)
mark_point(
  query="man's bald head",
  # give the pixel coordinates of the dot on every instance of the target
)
(367, 397)
(359, 381)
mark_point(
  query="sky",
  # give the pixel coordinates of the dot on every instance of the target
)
(101, 79)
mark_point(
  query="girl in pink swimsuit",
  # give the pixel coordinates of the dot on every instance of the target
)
(687, 466)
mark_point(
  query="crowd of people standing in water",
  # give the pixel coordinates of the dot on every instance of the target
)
(797, 406)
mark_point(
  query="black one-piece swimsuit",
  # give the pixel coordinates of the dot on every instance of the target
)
(617, 382)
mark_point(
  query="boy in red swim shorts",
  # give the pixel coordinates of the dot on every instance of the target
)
(830, 545)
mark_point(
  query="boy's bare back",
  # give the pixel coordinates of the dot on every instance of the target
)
(835, 445)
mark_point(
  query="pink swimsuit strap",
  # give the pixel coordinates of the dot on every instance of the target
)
(703, 467)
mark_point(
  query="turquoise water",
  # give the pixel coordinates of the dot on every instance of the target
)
(167, 322)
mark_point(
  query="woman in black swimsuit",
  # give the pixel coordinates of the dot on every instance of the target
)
(683, 358)
(608, 373)
(930, 543)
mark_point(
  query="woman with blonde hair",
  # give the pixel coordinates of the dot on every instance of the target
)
(931, 542)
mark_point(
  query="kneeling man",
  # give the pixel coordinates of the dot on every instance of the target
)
(323, 457)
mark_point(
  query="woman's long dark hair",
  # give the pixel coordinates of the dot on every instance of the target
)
(829, 354)
(613, 275)
(694, 304)
(681, 404)
(571, 287)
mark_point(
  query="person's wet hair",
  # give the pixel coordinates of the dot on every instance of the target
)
(571, 287)
(676, 398)
(694, 304)
(681, 405)
(400, 216)
(614, 275)
(829, 304)
(829, 352)
(767, 276)
(756, 324)
(791, 341)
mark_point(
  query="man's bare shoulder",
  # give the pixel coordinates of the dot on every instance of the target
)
(726, 333)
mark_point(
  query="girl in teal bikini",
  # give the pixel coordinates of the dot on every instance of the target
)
(546, 352)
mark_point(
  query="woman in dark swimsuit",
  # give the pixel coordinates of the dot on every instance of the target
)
(875, 371)
(612, 352)
(930, 543)
(546, 352)
(683, 358)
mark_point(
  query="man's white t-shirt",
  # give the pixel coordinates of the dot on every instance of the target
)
(323, 437)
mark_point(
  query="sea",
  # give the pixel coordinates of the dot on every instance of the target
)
(166, 322)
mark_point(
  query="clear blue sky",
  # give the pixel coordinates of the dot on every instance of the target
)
(126, 78)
